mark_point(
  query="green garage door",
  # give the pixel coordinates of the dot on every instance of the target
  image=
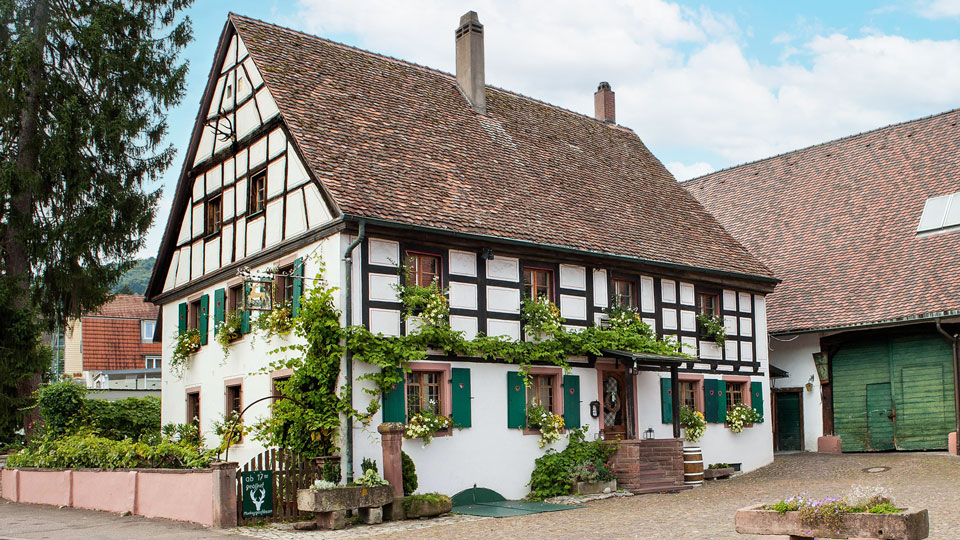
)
(893, 393)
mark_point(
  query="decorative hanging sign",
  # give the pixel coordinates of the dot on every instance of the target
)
(823, 369)
(257, 294)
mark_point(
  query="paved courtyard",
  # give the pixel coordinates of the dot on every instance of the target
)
(915, 479)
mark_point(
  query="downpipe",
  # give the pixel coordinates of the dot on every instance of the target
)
(956, 374)
(348, 314)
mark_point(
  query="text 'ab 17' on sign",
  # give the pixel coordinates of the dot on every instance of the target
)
(257, 493)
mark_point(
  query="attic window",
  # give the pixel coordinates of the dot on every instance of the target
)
(941, 212)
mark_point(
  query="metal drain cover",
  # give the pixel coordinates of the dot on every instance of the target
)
(876, 469)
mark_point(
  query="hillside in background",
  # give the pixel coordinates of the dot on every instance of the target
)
(135, 280)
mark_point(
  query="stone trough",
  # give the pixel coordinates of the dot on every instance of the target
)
(771, 525)
(331, 505)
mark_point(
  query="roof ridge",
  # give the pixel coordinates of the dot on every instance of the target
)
(825, 143)
(428, 69)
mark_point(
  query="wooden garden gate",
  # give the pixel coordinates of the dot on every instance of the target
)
(290, 473)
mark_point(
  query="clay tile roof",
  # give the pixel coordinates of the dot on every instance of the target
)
(837, 223)
(397, 141)
(127, 306)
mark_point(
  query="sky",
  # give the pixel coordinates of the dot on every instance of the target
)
(706, 85)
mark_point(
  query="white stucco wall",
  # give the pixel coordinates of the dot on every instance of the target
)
(794, 354)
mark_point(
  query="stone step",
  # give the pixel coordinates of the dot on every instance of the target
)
(659, 489)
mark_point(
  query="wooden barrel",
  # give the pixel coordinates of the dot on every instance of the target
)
(692, 466)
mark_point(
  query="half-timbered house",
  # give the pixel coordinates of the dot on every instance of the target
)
(308, 147)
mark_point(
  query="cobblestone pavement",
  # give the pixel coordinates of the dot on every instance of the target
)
(916, 480)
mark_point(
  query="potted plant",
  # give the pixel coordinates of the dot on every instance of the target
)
(549, 424)
(589, 477)
(188, 342)
(866, 513)
(228, 331)
(425, 423)
(712, 328)
(740, 416)
(693, 423)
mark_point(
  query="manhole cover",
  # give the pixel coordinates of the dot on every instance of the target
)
(876, 469)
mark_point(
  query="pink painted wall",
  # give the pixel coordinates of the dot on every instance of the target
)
(170, 494)
(179, 496)
(45, 487)
(112, 491)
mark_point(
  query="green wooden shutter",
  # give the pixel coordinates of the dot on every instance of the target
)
(710, 401)
(219, 308)
(460, 394)
(666, 402)
(245, 316)
(571, 401)
(182, 308)
(516, 400)
(721, 401)
(756, 397)
(204, 318)
(394, 406)
(297, 286)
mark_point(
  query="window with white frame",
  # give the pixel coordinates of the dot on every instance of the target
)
(147, 329)
(940, 213)
(152, 362)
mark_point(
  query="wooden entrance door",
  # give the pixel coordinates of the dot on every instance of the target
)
(879, 417)
(614, 404)
(788, 421)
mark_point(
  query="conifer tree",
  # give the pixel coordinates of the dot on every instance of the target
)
(84, 86)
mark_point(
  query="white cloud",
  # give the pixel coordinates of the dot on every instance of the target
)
(683, 80)
(683, 171)
(939, 9)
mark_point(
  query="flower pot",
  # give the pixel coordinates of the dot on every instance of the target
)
(590, 488)
(714, 474)
(907, 525)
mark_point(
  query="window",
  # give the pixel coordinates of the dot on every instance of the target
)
(147, 329)
(708, 303)
(940, 213)
(193, 319)
(423, 391)
(235, 298)
(688, 394)
(258, 192)
(734, 393)
(234, 404)
(624, 293)
(152, 362)
(214, 214)
(283, 285)
(538, 282)
(542, 391)
(422, 269)
(277, 383)
(193, 408)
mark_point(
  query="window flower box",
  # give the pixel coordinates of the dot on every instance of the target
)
(906, 525)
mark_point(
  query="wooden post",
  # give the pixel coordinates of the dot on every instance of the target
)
(675, 401)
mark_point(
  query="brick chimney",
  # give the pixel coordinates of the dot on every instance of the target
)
(603, 104)
(470, 74)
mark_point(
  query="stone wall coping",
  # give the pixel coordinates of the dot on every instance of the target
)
(152, 471)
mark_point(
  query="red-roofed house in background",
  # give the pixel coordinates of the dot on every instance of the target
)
(864, 232)
(304, 146)
(113, 348)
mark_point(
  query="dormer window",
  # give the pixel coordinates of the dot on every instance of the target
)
(214, 215)
(941, 212)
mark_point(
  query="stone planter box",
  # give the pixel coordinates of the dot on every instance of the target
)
(589, 488)
(331, 505)
(423, 509)
(714, 474)
(908, 525)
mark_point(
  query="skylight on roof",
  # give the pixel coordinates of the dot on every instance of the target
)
(940, 213)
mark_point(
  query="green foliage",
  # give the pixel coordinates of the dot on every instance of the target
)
(135, 280)
(187, 343)
(592, 471)
(308, 422)
(884, 508)
(412, 503)
(719, 466)
(88, 450)
(330, 471)
(713, 328)
(370, 478)
(409, 473)
(424, 424)
(552, 471)
(276, 322)
(739, 416)
(693, 422)
(430, 303)
(229, 330)
(61, 406)
(22, 358)
(65, 410)
(549, 424)
(368, 464)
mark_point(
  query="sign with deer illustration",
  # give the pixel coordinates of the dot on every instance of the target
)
(258, 294)
(257, 493)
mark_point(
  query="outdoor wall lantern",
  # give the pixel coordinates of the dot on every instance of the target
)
(595, 409)
(648, 434)
(810, 384)
(486, 254)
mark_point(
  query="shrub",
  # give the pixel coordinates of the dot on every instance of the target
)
(128, 418)
(88, 450)
(409, 473)
(370, 478)
(61, 406)
(551, 473)
(368, 464)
